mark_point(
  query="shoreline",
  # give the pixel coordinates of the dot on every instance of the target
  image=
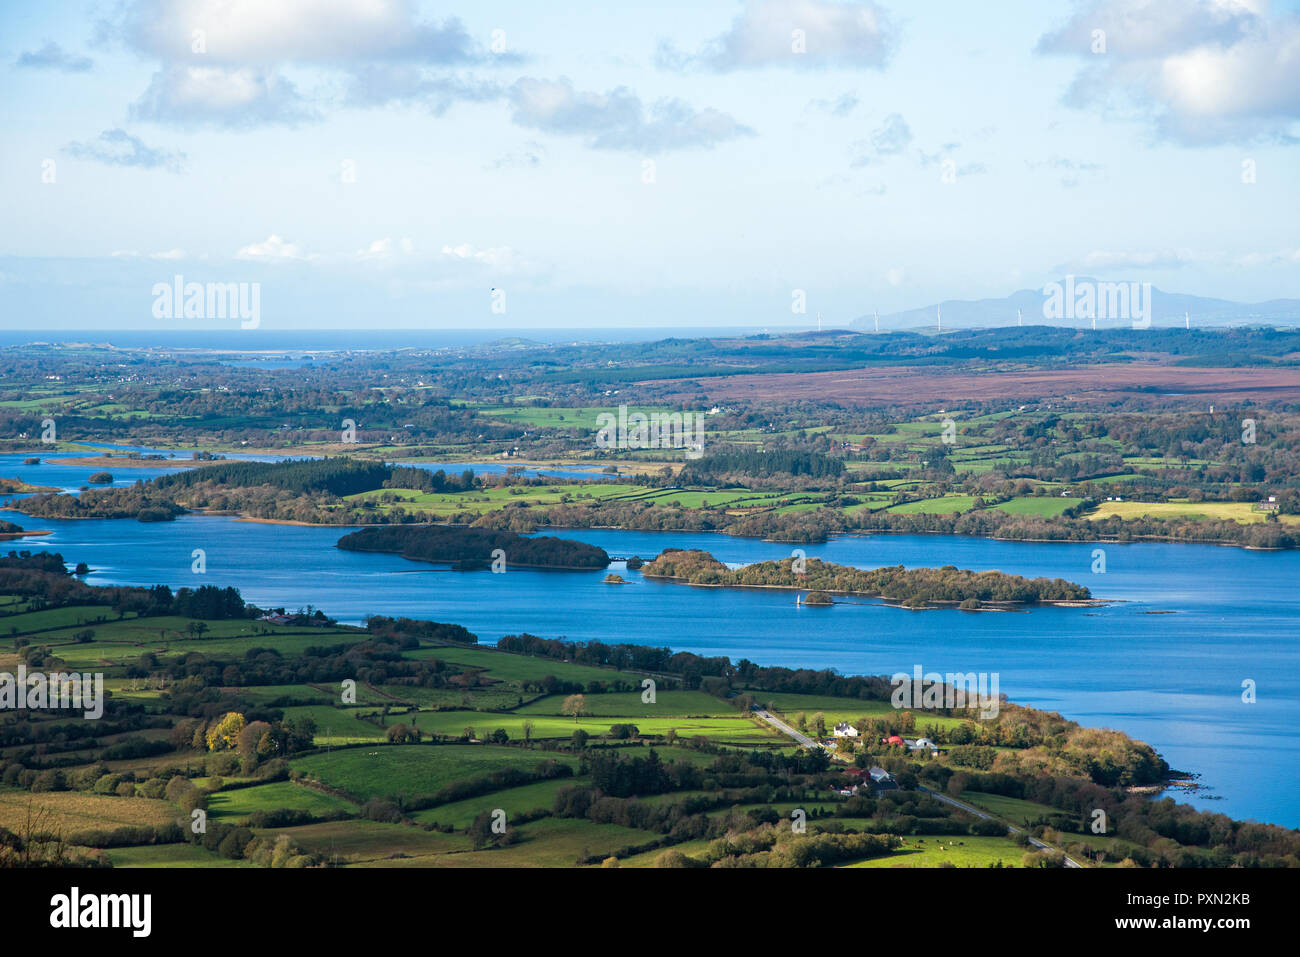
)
(999, 605)
(856, 533)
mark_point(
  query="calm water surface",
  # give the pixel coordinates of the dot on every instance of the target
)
(1173, 680)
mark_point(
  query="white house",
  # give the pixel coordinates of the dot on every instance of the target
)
(845, 730)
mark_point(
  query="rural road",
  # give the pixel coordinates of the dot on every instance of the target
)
(808, 742)
(780, 725)
(1069, 861)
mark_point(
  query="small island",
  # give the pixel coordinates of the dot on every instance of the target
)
(11, 486)
(101, 478)
(141, 502)
(613, 579)
(473, 548)
(909, 587)
(818, 598)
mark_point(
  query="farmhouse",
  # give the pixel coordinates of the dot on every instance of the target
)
(882, 779)
(1268, 505)
(845, 730)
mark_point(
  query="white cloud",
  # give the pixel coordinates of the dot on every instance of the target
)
(262, 33)
(272, 249)
(795, 33)
(190, 96)
(385, 249)
(618, 120)
(54, 57)
(499, 257)
(1199, 71)
(222, 62)
(119, 148)
(1281, 257)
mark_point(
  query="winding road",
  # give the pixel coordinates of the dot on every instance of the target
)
(808, 742)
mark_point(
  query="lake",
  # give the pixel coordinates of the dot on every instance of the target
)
(1172, 680)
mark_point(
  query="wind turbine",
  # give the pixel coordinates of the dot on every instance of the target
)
(939, 311)
(877, 320)
(1187, 321)
(1020, 318)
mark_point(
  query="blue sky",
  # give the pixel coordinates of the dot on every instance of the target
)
(379, 163)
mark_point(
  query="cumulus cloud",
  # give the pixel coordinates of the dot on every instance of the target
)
(808, 34)
(385, 249)
(223, 62)
(617, 120)
(54, 57)
(271, 250)
(499, 257)
(193, 96)
(322, 32)
(117, 147)
(1201, 72)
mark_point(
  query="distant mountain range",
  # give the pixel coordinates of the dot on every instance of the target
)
(1066, 303)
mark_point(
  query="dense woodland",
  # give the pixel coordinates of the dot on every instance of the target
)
(469, 548)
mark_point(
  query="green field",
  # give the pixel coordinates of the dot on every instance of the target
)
(965, 851)
(169, 855)
(789, 706)
(1040, 506)
(936, 506)
(393, 770)
(539, 795)
(1243, 512)
(239, 803)
(629, 704)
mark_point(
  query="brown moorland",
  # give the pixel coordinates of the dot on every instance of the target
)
(904, 385)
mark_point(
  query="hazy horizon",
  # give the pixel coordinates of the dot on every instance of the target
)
(403, 163)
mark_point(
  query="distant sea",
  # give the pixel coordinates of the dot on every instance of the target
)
(317, 340)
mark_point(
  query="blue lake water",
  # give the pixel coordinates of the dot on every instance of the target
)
(54, 472)
(1173, 680)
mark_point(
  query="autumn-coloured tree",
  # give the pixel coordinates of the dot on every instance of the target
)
(223, 735)
(247, 740)
(574, 704)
